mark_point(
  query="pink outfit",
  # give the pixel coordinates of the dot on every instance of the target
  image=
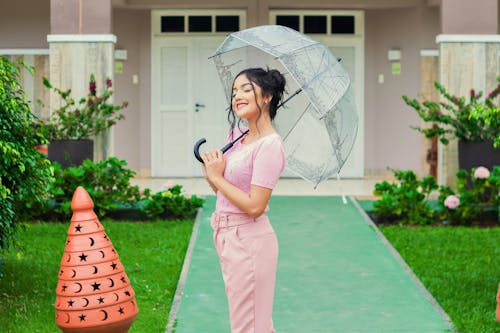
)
(247, 247)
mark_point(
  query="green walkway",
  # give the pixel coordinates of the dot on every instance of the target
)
(335, 274)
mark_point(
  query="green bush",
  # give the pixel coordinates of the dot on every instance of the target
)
(24, 172)
(108, 184)
(476, 200)
(172, 203)
(106, 181)
(406, 200)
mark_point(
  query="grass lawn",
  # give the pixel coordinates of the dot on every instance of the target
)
(459, 266)
(152, 254)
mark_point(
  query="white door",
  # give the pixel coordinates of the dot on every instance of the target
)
(187, 103)
(351, 54)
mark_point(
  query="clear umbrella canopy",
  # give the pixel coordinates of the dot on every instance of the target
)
(318, 121)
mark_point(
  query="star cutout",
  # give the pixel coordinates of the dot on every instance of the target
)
(61, 272)
(113, 265)
(64, 287)
(123, 279)
(83, 257)
(82, 317)
(101, 300)
(113, 250)
(78, 228)
(96, 286)
(68, 241)
(70, 302)
(121, 310)
(106, 237)
(127, 293)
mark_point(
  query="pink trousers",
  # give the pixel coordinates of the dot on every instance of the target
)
(248, 254)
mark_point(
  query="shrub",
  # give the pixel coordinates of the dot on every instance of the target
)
(84, 119)
(106, 181)
(476, 200)
(473, 203)
(471, 118)
(172, 203)
(24, 172)
(406, 199)
(108, 184)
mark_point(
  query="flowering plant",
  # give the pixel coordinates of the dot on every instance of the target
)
(84, 119)
(469, 119)
(472, 202)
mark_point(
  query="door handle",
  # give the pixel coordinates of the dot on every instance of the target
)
(198, 106)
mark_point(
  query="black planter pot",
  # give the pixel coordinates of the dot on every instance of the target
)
(71, 152)
(474, 154)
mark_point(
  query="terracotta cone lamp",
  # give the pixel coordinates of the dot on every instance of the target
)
(93, 292)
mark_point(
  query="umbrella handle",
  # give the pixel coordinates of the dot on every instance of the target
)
(197, 149)
(223, 149)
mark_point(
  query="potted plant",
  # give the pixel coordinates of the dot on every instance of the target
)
(473, 120)
(71, 128)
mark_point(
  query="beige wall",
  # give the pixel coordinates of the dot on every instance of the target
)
(388, 139)
(389, 142)
(133, 136)
(24, 23)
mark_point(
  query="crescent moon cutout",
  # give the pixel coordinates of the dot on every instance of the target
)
(105, 315)
(117, 297)
(91, 241)
(112, 282)
(87, 302)
(74, 273)
(67, 319)
(80, 285)
(95, 270)
(69, 258)
(97, 224)
(102, 253)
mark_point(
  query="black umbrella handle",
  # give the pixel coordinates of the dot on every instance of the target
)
(223, 149)
(197, 149)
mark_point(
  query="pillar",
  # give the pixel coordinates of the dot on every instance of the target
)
(81, 44)
(468, 58)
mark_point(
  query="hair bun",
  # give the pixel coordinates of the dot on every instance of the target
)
(278, 79)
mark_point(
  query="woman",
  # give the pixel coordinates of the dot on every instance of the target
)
(244, 179)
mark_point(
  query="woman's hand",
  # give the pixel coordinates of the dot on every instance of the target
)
(214, 164)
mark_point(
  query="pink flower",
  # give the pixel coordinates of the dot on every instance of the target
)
(472, 93)
(108, 83)
(92, 87)
(168, 184)
(481, 173)
(451, 202)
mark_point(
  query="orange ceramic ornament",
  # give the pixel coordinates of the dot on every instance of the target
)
(498, 304)
(93, 292)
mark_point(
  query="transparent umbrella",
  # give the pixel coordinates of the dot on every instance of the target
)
(317, 120)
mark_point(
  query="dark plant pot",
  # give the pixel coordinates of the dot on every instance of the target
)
(71, 152)
(474, 154)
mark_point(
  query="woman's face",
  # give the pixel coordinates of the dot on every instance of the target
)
(244, 101)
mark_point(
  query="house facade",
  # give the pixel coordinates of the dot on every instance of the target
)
(156, 52)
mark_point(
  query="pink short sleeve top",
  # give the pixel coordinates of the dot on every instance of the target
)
(259, 163)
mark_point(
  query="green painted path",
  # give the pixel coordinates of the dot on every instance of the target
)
(335, 274)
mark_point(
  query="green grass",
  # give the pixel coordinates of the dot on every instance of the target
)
(152, 254)
(459, 266)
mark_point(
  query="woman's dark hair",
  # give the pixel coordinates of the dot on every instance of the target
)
(270, 81)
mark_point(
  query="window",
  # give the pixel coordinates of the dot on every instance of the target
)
(342, 24)
(172, 24)
(315, 24)
(200, 23)
(227, 23)
(291, 21)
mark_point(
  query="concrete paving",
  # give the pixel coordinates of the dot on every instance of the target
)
(336, 273)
